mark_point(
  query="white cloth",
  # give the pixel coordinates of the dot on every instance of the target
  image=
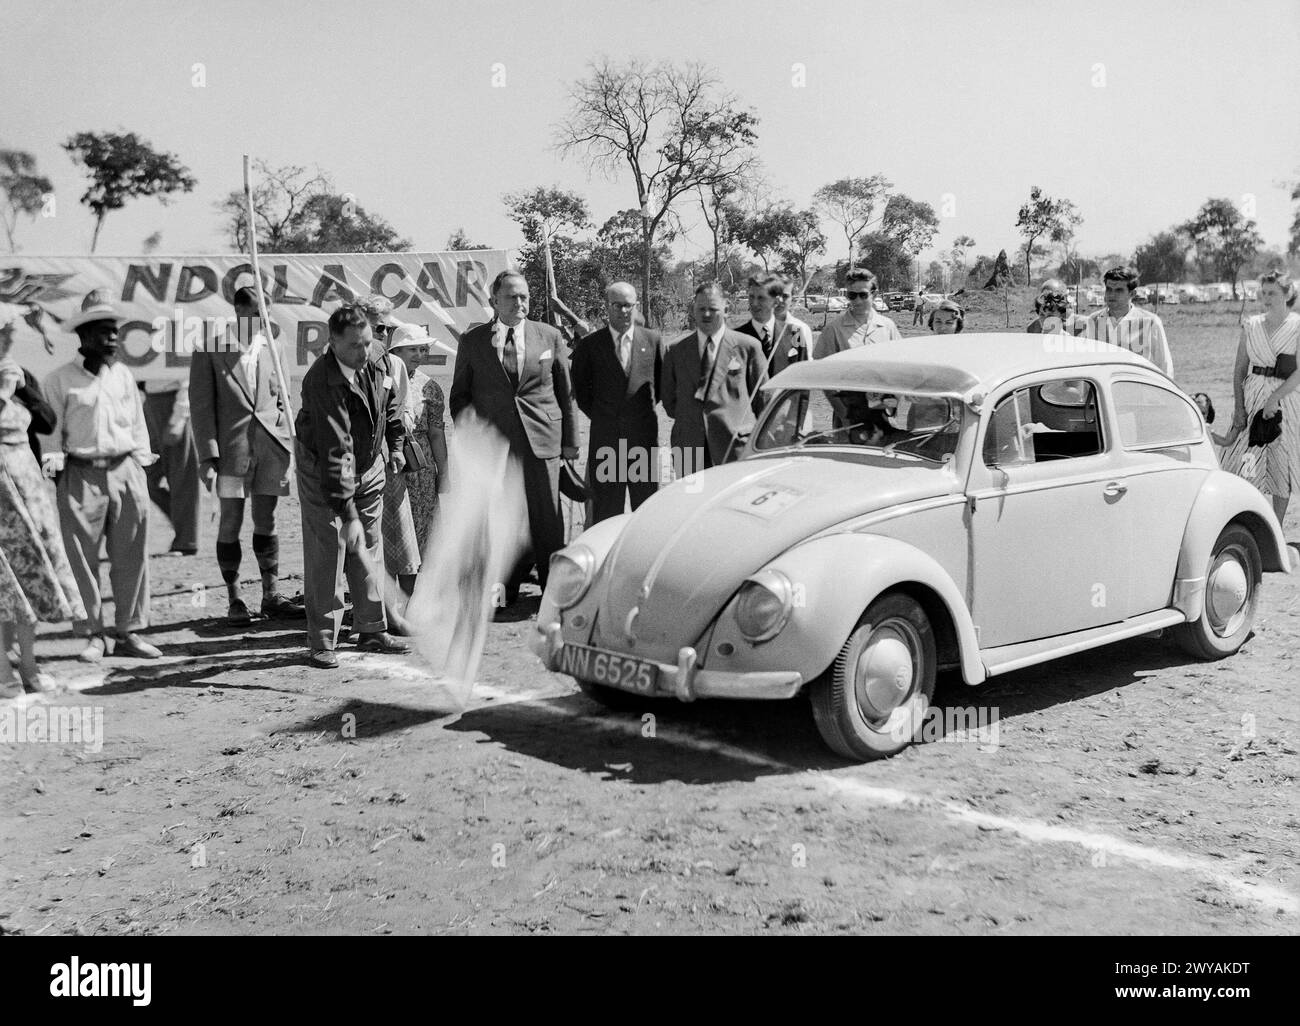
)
(248, 361)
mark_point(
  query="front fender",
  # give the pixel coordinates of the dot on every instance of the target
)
(1223, 498)
(835, 578)
(600, 539)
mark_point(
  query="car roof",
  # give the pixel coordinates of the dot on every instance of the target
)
(949, 364)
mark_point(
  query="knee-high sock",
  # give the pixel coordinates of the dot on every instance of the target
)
(266, 547)
(229, 556)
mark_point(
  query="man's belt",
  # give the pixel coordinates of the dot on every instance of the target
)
(1267, 372)
(98, 462)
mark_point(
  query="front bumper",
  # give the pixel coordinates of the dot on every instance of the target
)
(685, 681)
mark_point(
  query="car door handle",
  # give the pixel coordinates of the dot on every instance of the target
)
(1114, 490)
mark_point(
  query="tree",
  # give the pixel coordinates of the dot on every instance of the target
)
(851, 203)
(886, 259)
(1223, 239)
(1293, 248)
(764, 231)
(1161, 259)
(1044, 216)
(338, 224)
(458, 240)
(123, 167)
(715, 205)
(24, 190)
(671, 126)
(546, 217)
(280, 198)
(800, 245)
(911, 224)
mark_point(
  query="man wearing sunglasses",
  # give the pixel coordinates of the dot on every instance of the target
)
(860, 324)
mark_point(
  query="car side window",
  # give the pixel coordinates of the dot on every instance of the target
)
(1055, 420)
(1151, 417)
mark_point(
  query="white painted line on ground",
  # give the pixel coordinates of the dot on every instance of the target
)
(1031, 830)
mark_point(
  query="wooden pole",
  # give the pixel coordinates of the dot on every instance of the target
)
(261, 305)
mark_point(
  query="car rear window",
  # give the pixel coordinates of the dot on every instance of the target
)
(1151, 417)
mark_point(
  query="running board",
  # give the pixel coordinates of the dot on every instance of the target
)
(1028, 653)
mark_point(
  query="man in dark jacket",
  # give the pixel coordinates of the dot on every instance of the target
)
(515, 374)
(349, 428)
(615, 381)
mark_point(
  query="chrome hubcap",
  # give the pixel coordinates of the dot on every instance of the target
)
(886, 670)
(1227, 592)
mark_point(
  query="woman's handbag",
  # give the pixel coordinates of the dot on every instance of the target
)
(1265, 430)
(416, 460)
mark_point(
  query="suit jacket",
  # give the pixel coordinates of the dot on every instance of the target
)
(537, 418)
(223, 405)
(620, 405)
(346, 426)
(788, 347)
(43, 416)
(731, 402)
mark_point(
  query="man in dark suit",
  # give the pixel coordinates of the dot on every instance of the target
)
(615, 380)
(784, 339)
(241, 431)
(349, 431)
(712, 386)
(514, 373)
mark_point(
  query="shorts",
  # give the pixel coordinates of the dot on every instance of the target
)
(267, 472)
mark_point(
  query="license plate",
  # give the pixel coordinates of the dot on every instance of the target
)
(608, 668)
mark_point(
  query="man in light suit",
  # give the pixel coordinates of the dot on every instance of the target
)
(615, 380)
(514, 373)
(712, 386)
(241, 431)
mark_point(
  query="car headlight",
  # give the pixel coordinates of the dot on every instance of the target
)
(763, 605)
(570, 575)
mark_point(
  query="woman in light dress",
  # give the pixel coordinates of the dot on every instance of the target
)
(36, 582)
(424, 415)
(1258, 385)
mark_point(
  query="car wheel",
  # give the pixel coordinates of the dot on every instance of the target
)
(872, 702)
(1231, 595)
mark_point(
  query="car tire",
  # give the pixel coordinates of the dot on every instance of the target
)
(1232, 580)
(860, 712)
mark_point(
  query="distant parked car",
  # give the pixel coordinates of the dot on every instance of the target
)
(1095, 295)
(899, 300)
(1142, 294)
(1168, 295)
(1192, 293)
(1218, 290)
(1251, 289)
(880, 305)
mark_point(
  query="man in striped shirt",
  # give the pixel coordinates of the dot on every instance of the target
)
(1127, 326)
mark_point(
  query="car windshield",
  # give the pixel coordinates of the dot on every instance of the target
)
(916, 427)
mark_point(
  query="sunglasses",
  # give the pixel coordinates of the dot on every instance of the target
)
(859, 295)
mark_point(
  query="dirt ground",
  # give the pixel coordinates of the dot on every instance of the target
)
(1130, 790)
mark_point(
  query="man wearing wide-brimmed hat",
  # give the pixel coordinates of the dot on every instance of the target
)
(97, 454)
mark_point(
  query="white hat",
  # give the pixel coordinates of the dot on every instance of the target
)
(408, 335)
(95, 307)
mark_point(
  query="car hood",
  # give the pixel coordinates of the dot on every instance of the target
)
(687, 549)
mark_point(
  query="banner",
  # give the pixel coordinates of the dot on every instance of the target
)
(172, 305)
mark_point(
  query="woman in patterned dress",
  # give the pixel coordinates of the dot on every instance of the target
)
(1275, 468)
(36, 582)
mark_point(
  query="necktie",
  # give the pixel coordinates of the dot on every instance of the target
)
(706, 369)
(510, 359)
(767, 343)
(625, 352)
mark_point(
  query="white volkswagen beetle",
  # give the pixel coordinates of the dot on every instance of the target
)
(976, 502)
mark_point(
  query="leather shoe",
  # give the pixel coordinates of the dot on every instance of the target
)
(282, 607)
(132, 646)
(94, 650)
(381, 641)
(324, 658)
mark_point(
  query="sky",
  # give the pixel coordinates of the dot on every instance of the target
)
(1136, 111)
